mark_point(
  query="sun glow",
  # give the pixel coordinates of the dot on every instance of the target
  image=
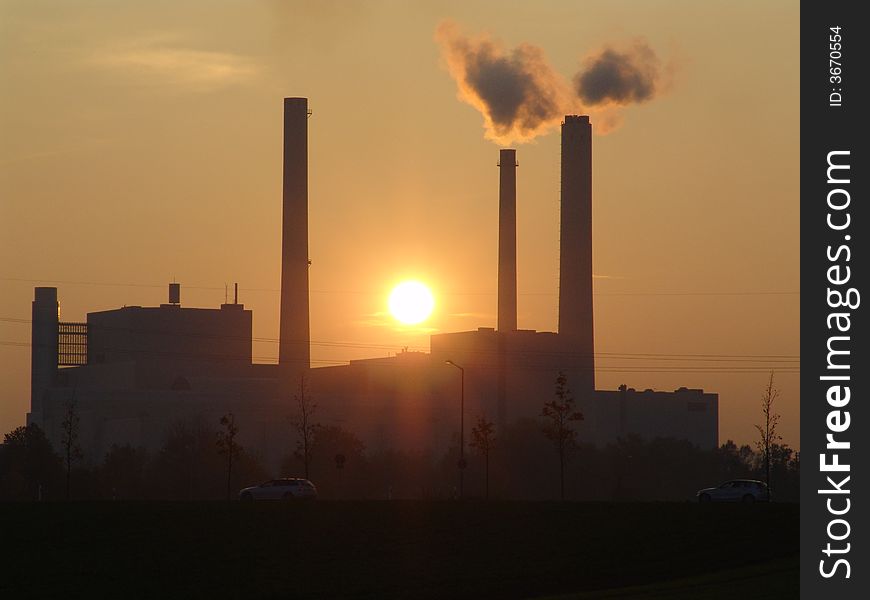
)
(411, 302)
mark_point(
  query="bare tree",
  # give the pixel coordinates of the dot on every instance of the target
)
(226, 443)
(560, 414)
(70, 441)
(767, 430)
(482, 439)
(304, 425)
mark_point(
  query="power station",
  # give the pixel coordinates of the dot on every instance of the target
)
(133, 372)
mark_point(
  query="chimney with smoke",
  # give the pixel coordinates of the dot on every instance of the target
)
(293, 347)
(575, 256)
(507, 240)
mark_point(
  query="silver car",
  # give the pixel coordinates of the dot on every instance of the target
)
(736, 490)
(287, 488)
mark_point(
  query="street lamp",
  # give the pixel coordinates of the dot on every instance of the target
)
(462, 464)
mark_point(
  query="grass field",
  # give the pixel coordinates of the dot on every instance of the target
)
(770, 580)
(399, 549)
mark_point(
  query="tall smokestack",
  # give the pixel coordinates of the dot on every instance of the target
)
(293, 348)
(575, 256)
(507, 240)
(43, 353)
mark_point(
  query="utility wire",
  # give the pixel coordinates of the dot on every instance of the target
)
(775, 358)
(483, 365)
(379, 292)
(779, 360)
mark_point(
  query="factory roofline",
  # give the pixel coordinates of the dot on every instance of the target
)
(494, 331)
(163, 307)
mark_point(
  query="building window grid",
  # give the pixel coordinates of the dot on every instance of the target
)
(72, 344)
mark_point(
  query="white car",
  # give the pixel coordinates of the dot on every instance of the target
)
(736, 490)
(280, 489)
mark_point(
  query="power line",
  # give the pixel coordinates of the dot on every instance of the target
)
(377, 362)
(379, 292)
(616, 368)
(730, 358)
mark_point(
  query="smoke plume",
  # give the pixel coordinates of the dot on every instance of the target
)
(619, 77)
(521, 96)
(517, 91)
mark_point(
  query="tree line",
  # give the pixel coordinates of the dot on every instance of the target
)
(533, 459)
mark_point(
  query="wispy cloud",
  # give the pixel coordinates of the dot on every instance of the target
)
(165, 60)
(83, 144)
(376, 319)
(383, 320)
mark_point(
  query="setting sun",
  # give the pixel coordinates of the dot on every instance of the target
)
(411, 302)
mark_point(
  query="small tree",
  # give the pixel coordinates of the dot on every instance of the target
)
(187, 467)
(341, 450)
(227, 446)
(482, 439)
(28, 465)
(70, 442)
(304, 425)
(123, 473)
(767, 430)
(560, 414)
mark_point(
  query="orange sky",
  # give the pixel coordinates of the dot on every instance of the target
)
(141, 142)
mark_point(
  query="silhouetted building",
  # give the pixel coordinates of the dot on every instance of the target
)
(411, 400)
(169, 341)
(135, 371)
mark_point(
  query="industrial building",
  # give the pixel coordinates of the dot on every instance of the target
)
(135, 371)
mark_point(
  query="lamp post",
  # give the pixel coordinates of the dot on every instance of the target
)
(462, 464)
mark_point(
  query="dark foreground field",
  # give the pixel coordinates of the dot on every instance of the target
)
(398, 549)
